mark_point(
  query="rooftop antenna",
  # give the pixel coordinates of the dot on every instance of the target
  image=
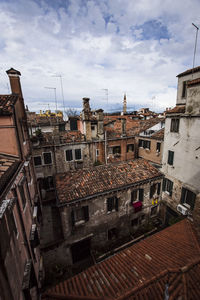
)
(61, 84)
(52, 88)
(195, 46)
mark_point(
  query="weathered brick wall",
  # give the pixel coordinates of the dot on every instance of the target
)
(151, 155)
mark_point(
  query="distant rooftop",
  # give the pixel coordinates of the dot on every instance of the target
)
(75, 185)
(166, 263)
(176, 110)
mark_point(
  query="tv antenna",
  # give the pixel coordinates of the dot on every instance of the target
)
(195, 45)
(53, 88)
(61, 84)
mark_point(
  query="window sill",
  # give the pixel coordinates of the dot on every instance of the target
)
(79, 223)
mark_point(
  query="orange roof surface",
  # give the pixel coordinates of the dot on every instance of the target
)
(176, 110)
(75, 185)
(168, 262)
(6, 102)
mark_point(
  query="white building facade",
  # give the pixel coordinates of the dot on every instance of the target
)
(181, 155)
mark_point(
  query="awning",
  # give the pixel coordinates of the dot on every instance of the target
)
(137, 206)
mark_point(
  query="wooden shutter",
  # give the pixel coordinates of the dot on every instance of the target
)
(141, 195)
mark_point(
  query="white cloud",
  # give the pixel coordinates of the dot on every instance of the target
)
(96, 45)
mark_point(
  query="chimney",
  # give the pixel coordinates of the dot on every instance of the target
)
(86, 118)
(100, 128)
(14, 77)
(123, 126)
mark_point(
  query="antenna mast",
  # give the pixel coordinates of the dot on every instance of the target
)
(195, 45)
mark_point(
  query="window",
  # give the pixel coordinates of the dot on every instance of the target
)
(155, 188)
(47, 158)
(80, 215)
(112, 234)
(73, 124)
(37, 160)
(22, 195)
(154, 211)
(69, 155)
(134, 222)
(92, 127)
(61, 127)
(112, 204)
(184, 89)
(145, 144)
(174, 125)
(130, 148)
(158, 146)
(134, 196)
(47, 183)
(77, 154)
(97, 152)
(170, 157)
(137, 193)
(116, 150)
(168, 186)
(188, 197)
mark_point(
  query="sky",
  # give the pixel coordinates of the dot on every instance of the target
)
(100, 48)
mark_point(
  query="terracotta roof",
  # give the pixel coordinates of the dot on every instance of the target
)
(6, 102)
(193, 82)
(190, 71)
(79, 184)
(159, 135)
(166, 262)
(176, 110)
(8, 165)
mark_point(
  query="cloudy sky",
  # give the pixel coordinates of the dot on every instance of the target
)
(101, 48)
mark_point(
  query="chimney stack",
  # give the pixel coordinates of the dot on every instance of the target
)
(124, 104)
(86, 118)
(14, 77)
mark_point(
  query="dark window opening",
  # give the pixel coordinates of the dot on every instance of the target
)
(37, 160)
(80, 214)
(73, 124)
(141, 195)
(134, 196)
(168, 186)
(130, 148)
(92, 127)
(112, 204)
(80, 250)
(184, 90)
(153, 190)
(116, 150)
(61, 127)
(134, 222)
(47, 158)
(112, 234)
(188, 197)
(77, 154)
(158, 146)
(145, 144)
(174, 125)
(47, 183)
(170, 157)
(69, 156)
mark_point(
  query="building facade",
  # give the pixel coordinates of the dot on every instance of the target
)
(21, 268)
(181, 157)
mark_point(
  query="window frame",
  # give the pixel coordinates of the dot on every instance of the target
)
(168, 186)
(67, 150)
(185, 194)
(174, 126)
(114, 205)
(130, 146)
(158, 147)
(47, 164)
(36, 156)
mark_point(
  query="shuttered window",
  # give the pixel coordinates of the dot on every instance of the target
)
(170, 158)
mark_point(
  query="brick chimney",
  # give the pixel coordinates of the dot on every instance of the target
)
(100, 118)
(86, 117)
(14, 77)
(123, 126)
(124, 104)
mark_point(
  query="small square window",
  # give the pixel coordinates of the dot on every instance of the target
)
(174, 125)
(130, 148)
(37, 160)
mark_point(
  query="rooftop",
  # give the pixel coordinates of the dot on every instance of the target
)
(190, 71)
(159, 135)
(166, 263)
(8, 165)
(176, 110)
(75, 185)
(6, 102)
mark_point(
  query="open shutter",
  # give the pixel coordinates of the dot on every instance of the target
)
(86, 213)
(72, 218)
(116, 203)
(164, 185)
(141, 195)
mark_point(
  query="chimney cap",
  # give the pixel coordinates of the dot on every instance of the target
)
(12, 71)
(86, 99)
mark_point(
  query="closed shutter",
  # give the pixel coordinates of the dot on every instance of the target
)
(69, 155)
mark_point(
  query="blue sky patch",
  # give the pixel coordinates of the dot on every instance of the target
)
(153, 30)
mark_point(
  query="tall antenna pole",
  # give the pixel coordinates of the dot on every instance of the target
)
(106, 92)
(61, 84)
(53, 88)
(195, 45)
